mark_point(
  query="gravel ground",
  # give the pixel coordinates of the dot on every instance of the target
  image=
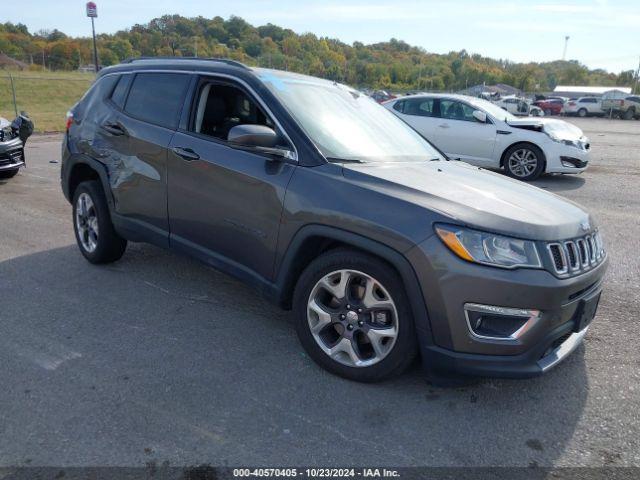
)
(158, 359)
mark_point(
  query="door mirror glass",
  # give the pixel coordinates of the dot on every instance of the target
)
(480, 116)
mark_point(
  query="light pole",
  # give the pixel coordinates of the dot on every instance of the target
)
(92, 12)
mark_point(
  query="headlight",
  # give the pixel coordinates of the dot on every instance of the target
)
(555, 138)
(488, 248)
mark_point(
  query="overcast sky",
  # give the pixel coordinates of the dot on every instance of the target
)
(604, 33)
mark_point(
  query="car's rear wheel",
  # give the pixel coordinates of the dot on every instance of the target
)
(95, 235)
(628, 115)
(6, 174)
(524, 162)
(353, 316)
(582, 112)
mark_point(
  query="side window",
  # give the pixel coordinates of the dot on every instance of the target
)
(157, 97)
(119, 94)
(455, 110)
(220, 107)
(399, 106)
(421, 107)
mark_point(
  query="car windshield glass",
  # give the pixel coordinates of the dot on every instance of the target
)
(346, 124)
(493, 110)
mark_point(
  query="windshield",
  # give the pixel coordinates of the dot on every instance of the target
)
(346, 124)
(493, 110)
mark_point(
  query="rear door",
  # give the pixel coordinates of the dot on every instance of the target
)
(459, 134)
(419, 113)
(225, 203)
(143, 130)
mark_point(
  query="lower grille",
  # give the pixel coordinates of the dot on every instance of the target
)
(12, 157)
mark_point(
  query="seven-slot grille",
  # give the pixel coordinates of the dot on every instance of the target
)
(577, 255)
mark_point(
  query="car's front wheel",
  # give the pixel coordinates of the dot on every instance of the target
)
(95, 235)
(524, 162)
(353, 316)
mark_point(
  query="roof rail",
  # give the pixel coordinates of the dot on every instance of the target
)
(233, 63)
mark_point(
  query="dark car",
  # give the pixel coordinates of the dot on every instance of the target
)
(550, 106)
(331, 206)
(13, 138)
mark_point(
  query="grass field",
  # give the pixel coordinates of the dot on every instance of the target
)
(45, 96)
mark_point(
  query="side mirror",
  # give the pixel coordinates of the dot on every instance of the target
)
(480, 116)
(253, 136)
(260, 138)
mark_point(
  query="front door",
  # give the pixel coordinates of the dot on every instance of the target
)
(460, 135)
(225, 203)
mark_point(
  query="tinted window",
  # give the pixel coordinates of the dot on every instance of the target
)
(157, 97)
(422, 107)
(119, 94)
(454, 110)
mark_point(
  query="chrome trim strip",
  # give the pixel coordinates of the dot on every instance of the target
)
(228, 77)
(12, 166)
(532, 315)
(562, 351)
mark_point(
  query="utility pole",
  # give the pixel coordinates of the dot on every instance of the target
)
(564, 52)
(92, 12)
(635, 84)
(195, 46)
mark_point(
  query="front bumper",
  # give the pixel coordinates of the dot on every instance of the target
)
(565, 159)
(11, 155)
(448, 283)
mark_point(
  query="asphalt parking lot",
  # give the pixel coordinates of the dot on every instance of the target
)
(158, 358)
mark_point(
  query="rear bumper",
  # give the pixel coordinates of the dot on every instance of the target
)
(448, 284)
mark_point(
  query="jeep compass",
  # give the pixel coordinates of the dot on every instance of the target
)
(333, 207)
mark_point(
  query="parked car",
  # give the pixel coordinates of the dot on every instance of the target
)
(332, 206)
(382, 96)
(626, 108)
(584, 106)
(519, 106)
(550, 106)
(481, 133)
(13, 138)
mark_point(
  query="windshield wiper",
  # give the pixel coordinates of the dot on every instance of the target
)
(344, 160)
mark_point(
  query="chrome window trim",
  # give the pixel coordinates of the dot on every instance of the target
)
(227, 76)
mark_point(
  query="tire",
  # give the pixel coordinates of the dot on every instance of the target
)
(7, 174)
(349, 322)
(95, 235)
(547, 112)
(518, 162)
(628, 114)
(582, 112)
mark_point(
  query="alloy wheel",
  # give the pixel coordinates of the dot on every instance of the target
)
(87, 222)
(522, 162)
(353, 318)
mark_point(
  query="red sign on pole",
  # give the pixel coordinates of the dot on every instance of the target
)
(92, 10)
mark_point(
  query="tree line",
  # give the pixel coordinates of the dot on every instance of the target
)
(393, 65)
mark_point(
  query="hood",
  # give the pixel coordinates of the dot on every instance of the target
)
(4, 123)
(559, 129)
(476, 197)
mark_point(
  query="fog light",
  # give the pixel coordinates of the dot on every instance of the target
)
(571, 162)
(499, 323)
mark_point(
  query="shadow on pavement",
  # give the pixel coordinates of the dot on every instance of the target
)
(559, 182)
(159, 358)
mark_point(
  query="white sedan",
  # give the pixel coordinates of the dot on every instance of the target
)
(478, 132)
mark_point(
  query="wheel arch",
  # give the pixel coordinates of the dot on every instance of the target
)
(81, 168)
(313, 240)
(503, 156)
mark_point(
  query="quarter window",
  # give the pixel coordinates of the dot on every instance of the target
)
(119, 94)
(157, 97)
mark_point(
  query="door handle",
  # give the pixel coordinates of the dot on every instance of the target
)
(444, 125)
(113, 128)
(186, 153)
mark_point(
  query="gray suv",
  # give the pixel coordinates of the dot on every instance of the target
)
(333, 207)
